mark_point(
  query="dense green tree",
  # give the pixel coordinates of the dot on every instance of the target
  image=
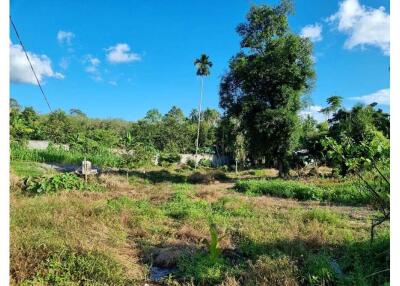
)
(266, 81)
(57, 127)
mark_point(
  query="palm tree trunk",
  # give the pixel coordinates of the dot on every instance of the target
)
(198, 124)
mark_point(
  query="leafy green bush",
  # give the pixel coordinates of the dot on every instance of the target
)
(205, 163)
(346, 193)
(58, 182)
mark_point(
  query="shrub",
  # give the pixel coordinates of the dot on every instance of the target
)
(205, 163)
(169, 158)
(52, 184)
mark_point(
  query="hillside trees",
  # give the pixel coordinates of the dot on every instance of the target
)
(265, 82)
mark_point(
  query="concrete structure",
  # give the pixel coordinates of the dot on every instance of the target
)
(44, 144)
(215, 160)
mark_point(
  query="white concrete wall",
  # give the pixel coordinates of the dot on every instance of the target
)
(43, 144)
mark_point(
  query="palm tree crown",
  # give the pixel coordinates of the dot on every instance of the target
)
(335, 102)
(203, 65)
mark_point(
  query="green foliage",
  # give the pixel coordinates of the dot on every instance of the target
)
(205, 163)
(213, 249)
(168, 158)
(58, 182)
(365, 262)
(346, 194)
(59, 155)
(318, 270)
(265, 82)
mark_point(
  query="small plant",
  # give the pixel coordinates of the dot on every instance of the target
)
(58, 182)
(213, 249)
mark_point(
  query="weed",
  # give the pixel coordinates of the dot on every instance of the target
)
(58, 182)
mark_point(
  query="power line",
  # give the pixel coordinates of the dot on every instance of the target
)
(33, 70)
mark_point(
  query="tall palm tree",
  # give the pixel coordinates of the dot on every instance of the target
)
(203, 65)
(334, 104)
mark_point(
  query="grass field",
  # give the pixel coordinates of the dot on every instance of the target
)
(200, 228)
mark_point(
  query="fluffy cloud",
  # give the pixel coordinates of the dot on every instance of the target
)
(363, 25)
(20, 71)
(65, 37)
(313, 111)
(381, 97)
(120, 53)
(313, 32)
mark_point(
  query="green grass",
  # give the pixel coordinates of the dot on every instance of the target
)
(111, 237)
(21, 168)
(337, 193)
(69, 157)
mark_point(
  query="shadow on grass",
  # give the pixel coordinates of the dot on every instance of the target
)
(159, 176)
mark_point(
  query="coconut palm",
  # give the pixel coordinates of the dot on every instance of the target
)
(203, 65)
(334, 104)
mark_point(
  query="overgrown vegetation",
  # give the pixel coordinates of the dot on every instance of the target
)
(345, 193)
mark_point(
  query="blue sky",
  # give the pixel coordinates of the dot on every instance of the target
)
(121, 58)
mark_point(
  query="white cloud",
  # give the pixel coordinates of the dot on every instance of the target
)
(113, 82)
(65, 37)
(120, 53)
(314, 111)
(92, 65)
(313, 32)
(381, 97)
(20, 71)
(363, 25)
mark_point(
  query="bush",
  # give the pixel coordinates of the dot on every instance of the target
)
(205, 163)
(52, 184)
(169, 158)
(339, 193)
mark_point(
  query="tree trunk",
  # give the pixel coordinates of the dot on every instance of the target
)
(283, 168)
(236, 166)
(198, 124)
